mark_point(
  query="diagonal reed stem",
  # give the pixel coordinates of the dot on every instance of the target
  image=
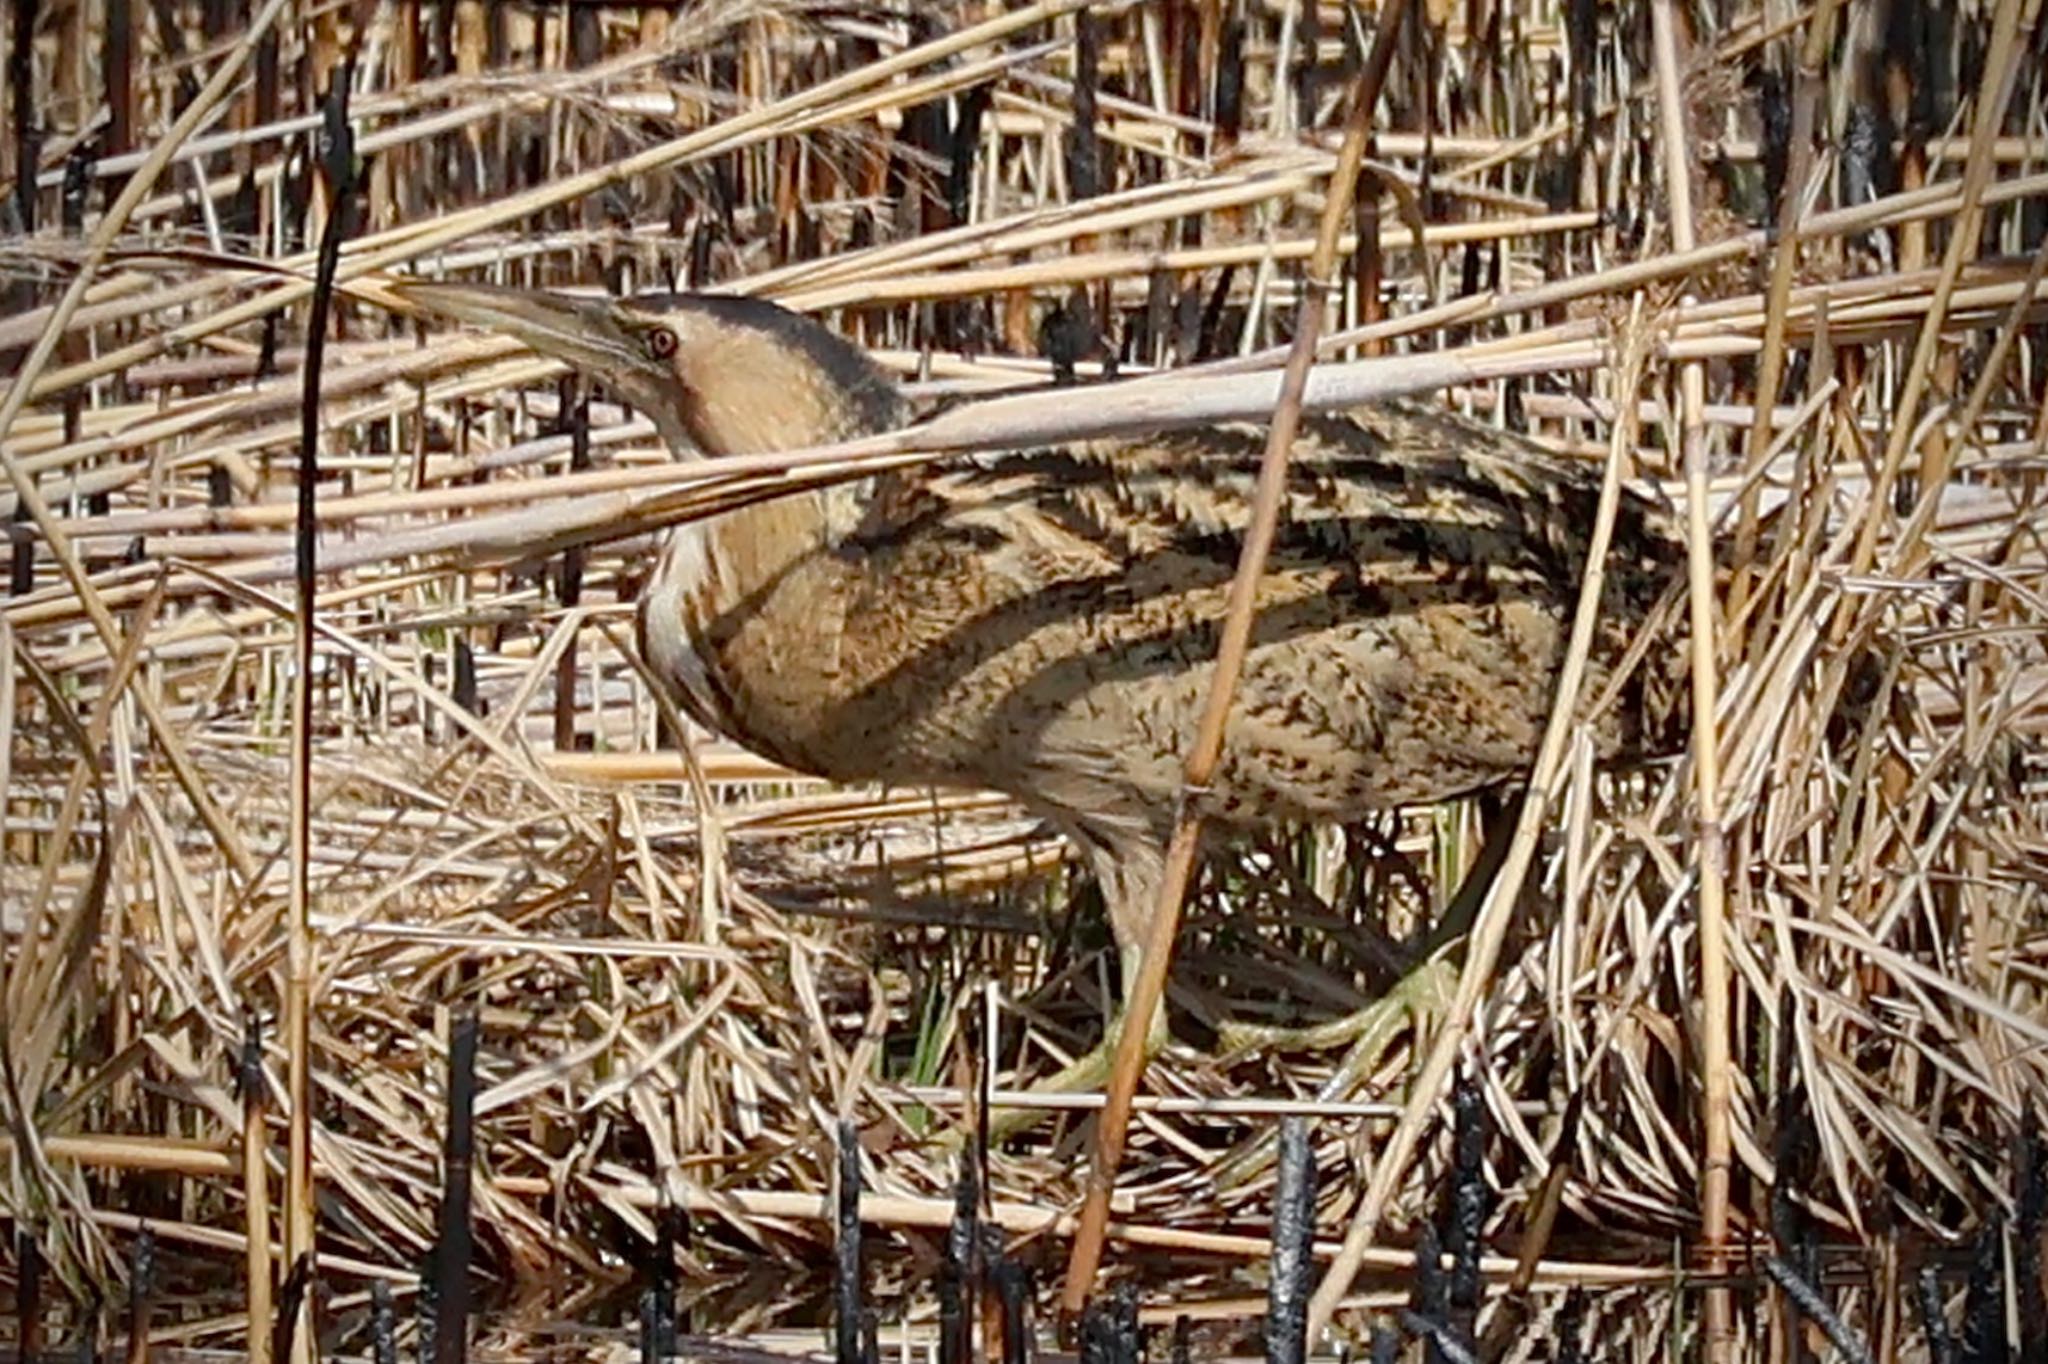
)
(1202, 757)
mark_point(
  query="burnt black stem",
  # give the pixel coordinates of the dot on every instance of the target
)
(2030, 1199)
(1444, 1342)
(141, 1291)
(452, 1250)
(1800, 1291)
(1084, 154)
(1984, 1339)
(1013, 1287)
(1471, 1201)
(1430, 1297)
(465, 676)
(426, 1308)
(28, 137)
(1293, 1265)
(846, 1288)
(28, 1294)
(338, 161)
(288, 1301)
(668, 1221)
(575, 419)
(1109, 1330)
(383, 1324)
(1571, 1320)
(71, 218)
(1941, 1342)
(650, 1326)
(960, 1280)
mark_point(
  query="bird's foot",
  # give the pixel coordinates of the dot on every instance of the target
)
(1412, 1005)
(1417, 996)
(1084, 1074)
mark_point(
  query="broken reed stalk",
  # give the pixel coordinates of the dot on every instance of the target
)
(1716, 1081)
(300, 1199)
(1147, 993)
(29, 494)
(1490, 932)
(255, 1095)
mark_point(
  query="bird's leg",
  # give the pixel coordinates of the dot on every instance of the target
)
(1422, 990)
(1091, 1069)
(1130, 889)
(1411, 1005)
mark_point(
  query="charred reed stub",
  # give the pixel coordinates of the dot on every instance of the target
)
(142, 1272)
(650, 1327)
(1934, 1328)
(425, 1311)
(573, 398)
(1985, 1340)
(1084, 148)
(960, 1276)
(847, 1282)
(1441, 1344)
(1804, 1294)
(453, 1247)
(1429, 1299)
(28, 1294)
(1012, 1283)
(670, 1228)
(1793, 1153)
(28, 134)
(1292, 1265)
(1571, 1328)
(1109, 1328)
(298, 1282)
(2030, 1220)
(1469, 1204)
(383, 1324)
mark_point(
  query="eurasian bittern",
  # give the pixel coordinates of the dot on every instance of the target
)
(1043, 622)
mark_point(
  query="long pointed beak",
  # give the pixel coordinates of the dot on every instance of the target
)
(585, 333)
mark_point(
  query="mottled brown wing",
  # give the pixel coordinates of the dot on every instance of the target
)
(1050, 613)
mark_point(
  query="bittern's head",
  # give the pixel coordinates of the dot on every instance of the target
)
(718, 374)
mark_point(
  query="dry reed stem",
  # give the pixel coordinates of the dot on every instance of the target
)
(1233, 643)
(1716, 1081)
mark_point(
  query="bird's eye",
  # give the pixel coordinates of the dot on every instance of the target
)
(661, 343)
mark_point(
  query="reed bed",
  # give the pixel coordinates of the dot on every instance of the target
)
(686, 964)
